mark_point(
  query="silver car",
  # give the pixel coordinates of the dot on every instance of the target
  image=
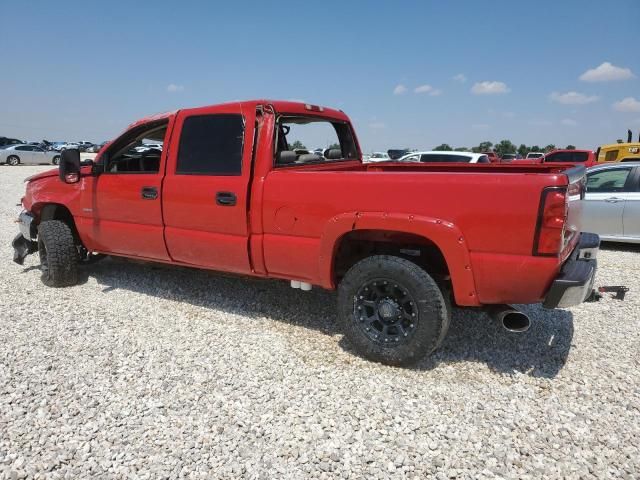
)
(28, 154)
(612, 202)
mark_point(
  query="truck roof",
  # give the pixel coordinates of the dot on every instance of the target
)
(281, 106)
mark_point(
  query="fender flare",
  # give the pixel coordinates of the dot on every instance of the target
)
(445, 235)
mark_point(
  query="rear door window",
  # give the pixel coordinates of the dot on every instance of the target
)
(211, 145)
(302, 139)
(610, 180)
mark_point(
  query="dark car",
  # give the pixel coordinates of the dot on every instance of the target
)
(395, 154)
(4, 141)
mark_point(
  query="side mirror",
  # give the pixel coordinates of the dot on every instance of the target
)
(69, 169)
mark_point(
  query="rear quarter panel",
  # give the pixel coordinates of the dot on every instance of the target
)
(495, 214)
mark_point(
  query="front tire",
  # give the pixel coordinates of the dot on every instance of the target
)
(391, 310)
(13, 160)
(58, 254)
(56, 160)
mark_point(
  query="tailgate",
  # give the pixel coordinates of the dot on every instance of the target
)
(576, 177)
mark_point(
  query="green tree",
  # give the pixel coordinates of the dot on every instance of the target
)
(523, 150)
(485, 146)
(549, 147)
(334, 146)
(443, 148)
(461, 149)
(297, 144)
(505, 146)
(571, 147)
(535, 148)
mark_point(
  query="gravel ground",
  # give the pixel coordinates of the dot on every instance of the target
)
(161, 372)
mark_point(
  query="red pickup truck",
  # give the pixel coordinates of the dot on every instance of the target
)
(401, 243)
(586, 158)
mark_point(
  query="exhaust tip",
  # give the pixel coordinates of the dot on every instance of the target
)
(516, 321)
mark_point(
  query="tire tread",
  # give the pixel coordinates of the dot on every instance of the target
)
(62, 255)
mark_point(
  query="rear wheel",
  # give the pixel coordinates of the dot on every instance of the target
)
(13, 160)
(391, 310)
(58, 254)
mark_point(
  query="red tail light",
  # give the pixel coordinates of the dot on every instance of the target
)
(552, 217)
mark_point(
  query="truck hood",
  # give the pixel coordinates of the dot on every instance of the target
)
(48, 173)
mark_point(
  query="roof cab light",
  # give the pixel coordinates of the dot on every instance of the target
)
(552, 218)
(313, 108)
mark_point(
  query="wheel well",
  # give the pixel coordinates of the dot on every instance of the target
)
(360, 244)
(55, 211)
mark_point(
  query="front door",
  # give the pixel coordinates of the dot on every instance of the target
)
(205, 189)
(123, 204)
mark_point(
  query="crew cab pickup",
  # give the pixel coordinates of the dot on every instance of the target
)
(401, 243)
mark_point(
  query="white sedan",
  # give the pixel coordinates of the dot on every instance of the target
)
(445, 157)
(28, 154)
(379, 157)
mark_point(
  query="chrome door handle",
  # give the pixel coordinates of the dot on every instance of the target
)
(613, 200)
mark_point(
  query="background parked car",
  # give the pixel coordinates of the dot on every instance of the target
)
(395, 154)
(84, 145)
(508, 157)
(586, 158)
(27, 154)
(379, 157)
(612, 202)
(9, 141)
(145, 147)
(96, 148)
(534, 155)
(493, 157)
(445, 157)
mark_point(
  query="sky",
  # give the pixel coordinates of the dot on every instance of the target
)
(410, 74)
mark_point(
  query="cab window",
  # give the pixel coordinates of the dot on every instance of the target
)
(611, 156)
(128, 153)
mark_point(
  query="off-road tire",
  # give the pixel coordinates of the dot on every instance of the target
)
(432, 314)
(13, 160)
(58, 254)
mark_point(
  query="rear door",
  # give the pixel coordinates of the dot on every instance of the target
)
(605, 200)
(39, 155)
(205, 190)
(631, 214)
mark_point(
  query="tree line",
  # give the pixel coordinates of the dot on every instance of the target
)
(501, 148)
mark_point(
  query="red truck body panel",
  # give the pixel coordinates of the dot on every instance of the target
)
(288, 222)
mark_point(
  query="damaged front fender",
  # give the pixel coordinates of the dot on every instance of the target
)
(22, 247)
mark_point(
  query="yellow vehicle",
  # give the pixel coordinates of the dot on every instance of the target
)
(619, 152)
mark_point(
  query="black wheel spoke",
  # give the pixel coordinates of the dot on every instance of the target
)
(385, 311)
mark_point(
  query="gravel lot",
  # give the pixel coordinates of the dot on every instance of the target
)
(161, 372)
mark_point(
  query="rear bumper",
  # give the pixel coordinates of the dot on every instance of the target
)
(574, 283)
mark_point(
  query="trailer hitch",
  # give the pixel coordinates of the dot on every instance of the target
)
(619, 292)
